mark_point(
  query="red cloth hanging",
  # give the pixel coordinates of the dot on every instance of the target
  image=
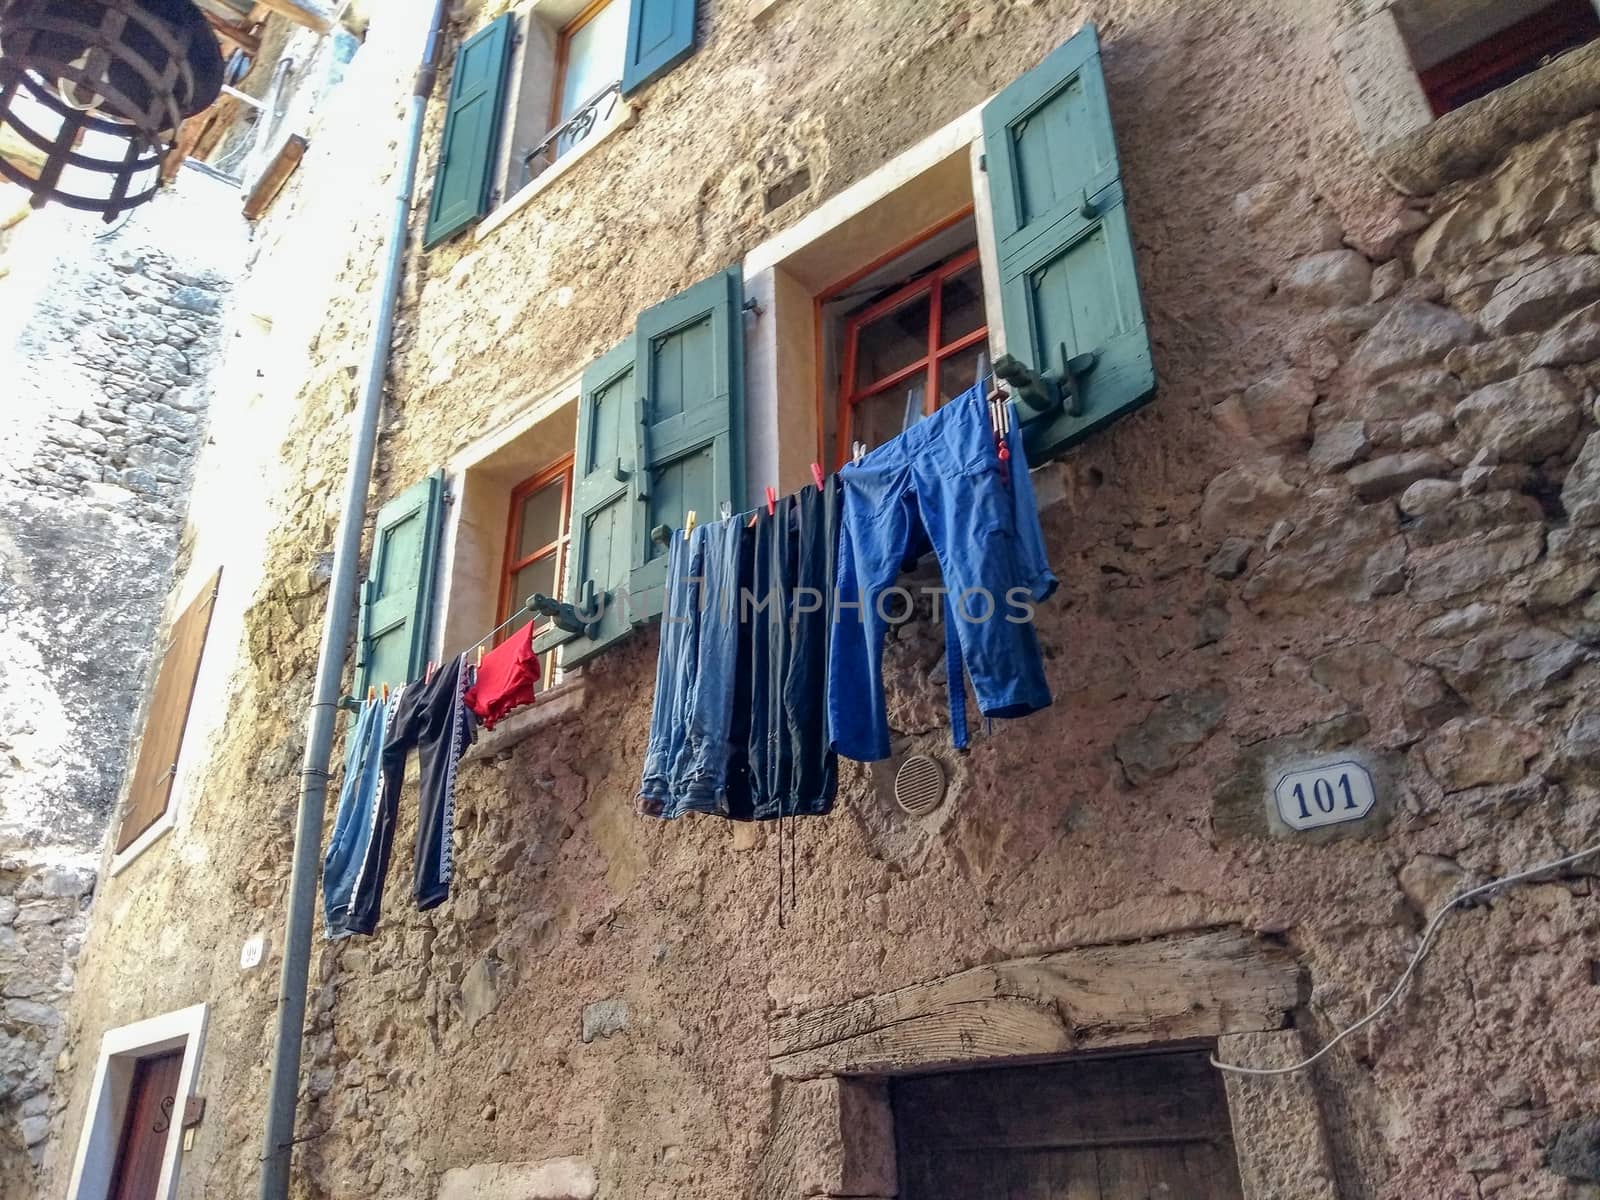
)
(506, 678)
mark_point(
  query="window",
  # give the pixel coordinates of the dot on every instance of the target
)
(1410, 66)
(588, 66)
(156, 768)
(910, 351)
(537, 533)
(535, 84)
(1510, 43)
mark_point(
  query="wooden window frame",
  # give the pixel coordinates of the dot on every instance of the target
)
(1522, 47)
(931, 282)
(560, 469)
(563, 53)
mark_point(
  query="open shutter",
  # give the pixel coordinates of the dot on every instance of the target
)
(397, 596)
(471, 132)
(691, 411)
(605, 507)
(1068, 285)
(660, 36)
(153, 775)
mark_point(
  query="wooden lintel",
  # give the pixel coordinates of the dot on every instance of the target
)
(298, 13)
(199, 135)
(274, 177)
(1171, 989)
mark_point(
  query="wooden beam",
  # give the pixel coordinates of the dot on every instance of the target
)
(274, 177)
(298, 13)
(241, 37)
(1095, 998)
(199, 134)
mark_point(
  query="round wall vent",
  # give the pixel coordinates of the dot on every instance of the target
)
(919, 785)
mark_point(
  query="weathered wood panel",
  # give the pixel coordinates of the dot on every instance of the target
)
(275, 176)
(1098, 997)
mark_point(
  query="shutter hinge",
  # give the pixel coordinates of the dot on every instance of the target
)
(1045, 392)
(983, 163)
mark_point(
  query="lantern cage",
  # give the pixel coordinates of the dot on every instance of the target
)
(92, 93)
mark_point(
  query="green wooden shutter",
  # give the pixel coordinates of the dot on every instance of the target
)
(462, 184)
(660, 36)
(1068, 286)
(605, 505)
(397, 596)
(691, 413)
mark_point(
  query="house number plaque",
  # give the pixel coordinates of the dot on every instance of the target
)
(1328, 794)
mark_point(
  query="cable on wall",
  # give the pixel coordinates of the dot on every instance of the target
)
(1424, 947)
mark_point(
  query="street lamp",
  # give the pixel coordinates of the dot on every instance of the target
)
(92, 93)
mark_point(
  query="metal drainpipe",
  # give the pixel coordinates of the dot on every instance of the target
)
(278, 1148)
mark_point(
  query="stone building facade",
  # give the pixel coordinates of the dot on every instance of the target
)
(107, 343)
(1355, 526)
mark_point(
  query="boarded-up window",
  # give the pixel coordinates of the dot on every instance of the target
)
(1099, 1129)
(169, 712)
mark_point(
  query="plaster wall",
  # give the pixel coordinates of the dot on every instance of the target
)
(1360, 516)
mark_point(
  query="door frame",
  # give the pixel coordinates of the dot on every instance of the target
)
(120, 1050)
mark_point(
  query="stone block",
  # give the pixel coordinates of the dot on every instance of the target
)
(1278, 1130)
(1523, 419)
(604, 1018)
(1339, 445)
(1575, 1154)
(1469, 516)
(1394, 473)
(1576, 339)
(1428, 881)
(1540, 294)
(1427, 496)
(1472, 751)
(545, 1179)
(1405, 395)
(1248, 496)
(1580, 494)
(1332, 277)
(1464, 568)
(1157, 745)
(1412, 334)
(830, 1137)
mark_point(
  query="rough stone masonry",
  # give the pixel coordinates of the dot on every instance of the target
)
(1361, 516)
(106, 346)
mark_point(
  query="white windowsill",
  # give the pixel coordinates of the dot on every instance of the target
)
(559, 704)
(163, 824)
(623, 115)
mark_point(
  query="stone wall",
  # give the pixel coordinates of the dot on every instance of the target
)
(1358, 518)
(107, 343)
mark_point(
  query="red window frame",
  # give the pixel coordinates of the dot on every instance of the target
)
(933, 283)
(560, 469)
(1508, 55)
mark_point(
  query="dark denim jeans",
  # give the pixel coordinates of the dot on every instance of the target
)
(686, 760)
(940, 485)
(355, 819)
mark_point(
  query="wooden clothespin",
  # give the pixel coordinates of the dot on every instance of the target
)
(772, 501)
(372, 693)
(689, 523)
(479, 662)
(816, 475)
(386, 693)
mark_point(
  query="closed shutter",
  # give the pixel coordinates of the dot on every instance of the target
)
(397, 596)
(691, 413)
(157, 765)
(660, 36)
(605, 505)
(1068, 285)
(462, 182)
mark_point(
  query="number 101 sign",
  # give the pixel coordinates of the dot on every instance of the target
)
(1330, 794)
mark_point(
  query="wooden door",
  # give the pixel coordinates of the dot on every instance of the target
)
(1153, 1127)
(152, 1109)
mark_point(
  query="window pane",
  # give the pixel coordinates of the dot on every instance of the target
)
(959, 372)
(541, 519)
(535, 577)
(878, 418)
(594, 57)
(893, 341)
(961, 307)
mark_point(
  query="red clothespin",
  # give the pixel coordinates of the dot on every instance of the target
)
(772, 502)
(816, 475)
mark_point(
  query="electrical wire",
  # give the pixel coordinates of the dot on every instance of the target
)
(1422, 951)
